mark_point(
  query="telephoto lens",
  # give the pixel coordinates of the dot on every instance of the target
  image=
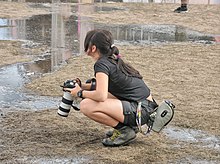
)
(67, 99)
(65, 104)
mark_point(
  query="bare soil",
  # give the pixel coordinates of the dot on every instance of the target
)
(186, 73)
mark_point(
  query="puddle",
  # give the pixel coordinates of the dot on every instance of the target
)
(38, 67)
(73, 160)
(201, 138)
(107, 9)
(27, 29)
(12, 97)
(156, 34)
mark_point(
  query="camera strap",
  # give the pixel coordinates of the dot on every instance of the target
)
(138, 120)
(138, 116)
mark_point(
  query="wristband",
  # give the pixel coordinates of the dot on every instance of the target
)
(93, 84)
(80, 93)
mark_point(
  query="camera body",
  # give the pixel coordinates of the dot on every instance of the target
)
(69, 84)
(67, 99)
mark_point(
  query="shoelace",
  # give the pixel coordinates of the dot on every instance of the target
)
(115, 134)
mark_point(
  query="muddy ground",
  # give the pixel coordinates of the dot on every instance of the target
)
(186, 73)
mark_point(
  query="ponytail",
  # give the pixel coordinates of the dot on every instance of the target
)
(124, 67)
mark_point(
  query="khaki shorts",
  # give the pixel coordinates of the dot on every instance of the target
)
(130, 108)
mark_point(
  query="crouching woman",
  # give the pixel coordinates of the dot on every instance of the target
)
(119, 89)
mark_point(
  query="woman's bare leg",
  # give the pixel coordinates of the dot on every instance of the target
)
(109, 112)
(184, 2)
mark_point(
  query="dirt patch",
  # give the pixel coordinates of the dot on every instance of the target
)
(33, 135)
(17, 52)
(11, 52)
(19, 10)
(186, 73)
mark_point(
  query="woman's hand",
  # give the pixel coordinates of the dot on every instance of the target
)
(74, 90)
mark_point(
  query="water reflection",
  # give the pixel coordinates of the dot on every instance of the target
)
(68, 31)
(36, 29)
(155, 34)
(38, 67)
(12, 79)
(12, 29)
(59, 16)
(84, 24)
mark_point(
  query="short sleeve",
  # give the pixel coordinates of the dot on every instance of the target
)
(101, 66)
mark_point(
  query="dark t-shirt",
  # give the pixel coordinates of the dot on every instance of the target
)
(120, 85)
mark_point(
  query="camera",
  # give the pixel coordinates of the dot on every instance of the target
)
(67, 99)
(69, 84)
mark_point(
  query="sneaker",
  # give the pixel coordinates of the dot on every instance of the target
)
(120, 137)
(162, 116)
(111, 132)
(181, 10)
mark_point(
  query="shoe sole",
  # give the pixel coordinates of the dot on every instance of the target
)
(127, 143)
(181, 12)
(164, 114)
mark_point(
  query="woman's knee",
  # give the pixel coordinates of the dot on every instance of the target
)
(85, 106)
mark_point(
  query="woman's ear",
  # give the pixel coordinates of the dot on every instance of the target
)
(94, 48)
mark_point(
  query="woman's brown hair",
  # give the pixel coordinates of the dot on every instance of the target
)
(103, 41)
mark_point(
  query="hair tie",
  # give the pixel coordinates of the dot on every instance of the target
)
(118, 56)
(112, 46)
